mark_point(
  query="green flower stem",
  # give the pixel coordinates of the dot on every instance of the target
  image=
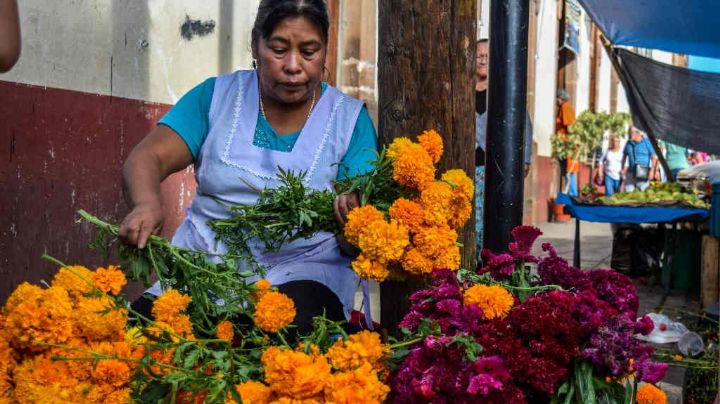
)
(406, 343)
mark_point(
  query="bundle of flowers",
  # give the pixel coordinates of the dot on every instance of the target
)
(78, 341)
(509, 334)
(407, 224)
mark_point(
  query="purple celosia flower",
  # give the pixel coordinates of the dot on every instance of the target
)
(525, 237)
(554, 270)
(644, 325)
(616, 289)
(650, 372)
(500, 266)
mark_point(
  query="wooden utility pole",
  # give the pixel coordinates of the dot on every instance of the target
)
(426, 80)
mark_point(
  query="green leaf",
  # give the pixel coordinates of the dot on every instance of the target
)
(191, 359)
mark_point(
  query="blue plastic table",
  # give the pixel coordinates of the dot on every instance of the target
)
(625, 214)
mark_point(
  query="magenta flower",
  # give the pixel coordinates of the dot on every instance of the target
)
(500, 266)
(525, 237)
(650, 372)
(644, 325)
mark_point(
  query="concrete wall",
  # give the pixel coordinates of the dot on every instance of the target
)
(93, 78)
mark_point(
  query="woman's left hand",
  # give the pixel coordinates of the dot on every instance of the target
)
(343, 204)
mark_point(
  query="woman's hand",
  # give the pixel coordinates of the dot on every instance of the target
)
(343, 204)
(144, 220)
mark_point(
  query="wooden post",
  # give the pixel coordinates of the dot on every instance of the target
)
(426, 72)
(710, 273)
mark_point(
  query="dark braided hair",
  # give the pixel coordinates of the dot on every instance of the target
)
(272, 12)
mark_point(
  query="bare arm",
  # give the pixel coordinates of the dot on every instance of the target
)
(9, 34)
(160, 154)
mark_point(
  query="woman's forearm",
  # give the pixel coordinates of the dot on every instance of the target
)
(9, 34)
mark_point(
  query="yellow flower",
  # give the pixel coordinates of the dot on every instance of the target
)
(368, 269)
(432, 142)
(408, 213)
(225, 330)
(274, 311)
(42, 315)
(398, 146)
(110, 280)
(461, 183)
(649, 394)
(433, 241)
(495, 301)
(75, 285)
(96, 319)
(416, 263)
(414, 169)
(677, 357)
(384, 242)
(449, 258)
(253, 392)
(363, 347)
(358, 386)
(436, 201)
(358, 219)
(460, 212)
(169, 304)
(295, 374)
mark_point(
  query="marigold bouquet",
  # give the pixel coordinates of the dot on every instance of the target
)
(407, 224)
(508, 334)
(79, 341)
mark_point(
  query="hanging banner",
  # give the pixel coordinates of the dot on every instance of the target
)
(573, 13)
(672, 103)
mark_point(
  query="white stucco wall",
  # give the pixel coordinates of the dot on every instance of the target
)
(545, 76)
(130, 48)
(603, 83)
(584, 61)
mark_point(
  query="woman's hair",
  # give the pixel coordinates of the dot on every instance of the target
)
(272, 12)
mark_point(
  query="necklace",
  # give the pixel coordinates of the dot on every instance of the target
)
(262, 106)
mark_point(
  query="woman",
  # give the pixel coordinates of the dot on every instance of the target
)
(611, 166)
(238, 129)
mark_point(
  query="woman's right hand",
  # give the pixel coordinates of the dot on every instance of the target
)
(142, 222)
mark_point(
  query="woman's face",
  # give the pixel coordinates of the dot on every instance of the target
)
(613, 142)
(636, 135)
(291, 60)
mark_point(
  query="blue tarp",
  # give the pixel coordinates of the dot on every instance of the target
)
(623, 214)
(690, 27)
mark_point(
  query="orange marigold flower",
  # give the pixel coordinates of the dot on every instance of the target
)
(274, 311)
(436, 201)
(289, 400)
(368, 269)
(416, 263)
(295, 374)
(384, 242)
(358, 219)
(649, 394)
(112, 372)
(110, 280)
(432, 241)
(8, 361)
(495, 301)
(263, 284)
(97, 319)
(169, 305)
(42, 315)
(408, 213)
(460, 212)
(253, 392)
(677, 357)
(462, 184)
(179, 325)
(41, 380)
(74, 279)
(398, 146)
(358, 386)
(225, 330)
(414, 169)
(432, 142)
(358, 349)
(448, 258)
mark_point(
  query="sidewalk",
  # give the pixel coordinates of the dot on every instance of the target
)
(596, 252)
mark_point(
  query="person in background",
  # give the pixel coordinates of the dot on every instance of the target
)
(564, 118)
(639, 161)
(481, 85)
(610, 166)
(237, 129)
(9, 35)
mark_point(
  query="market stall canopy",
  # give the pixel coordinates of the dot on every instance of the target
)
(672, 103)
(689, 27)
